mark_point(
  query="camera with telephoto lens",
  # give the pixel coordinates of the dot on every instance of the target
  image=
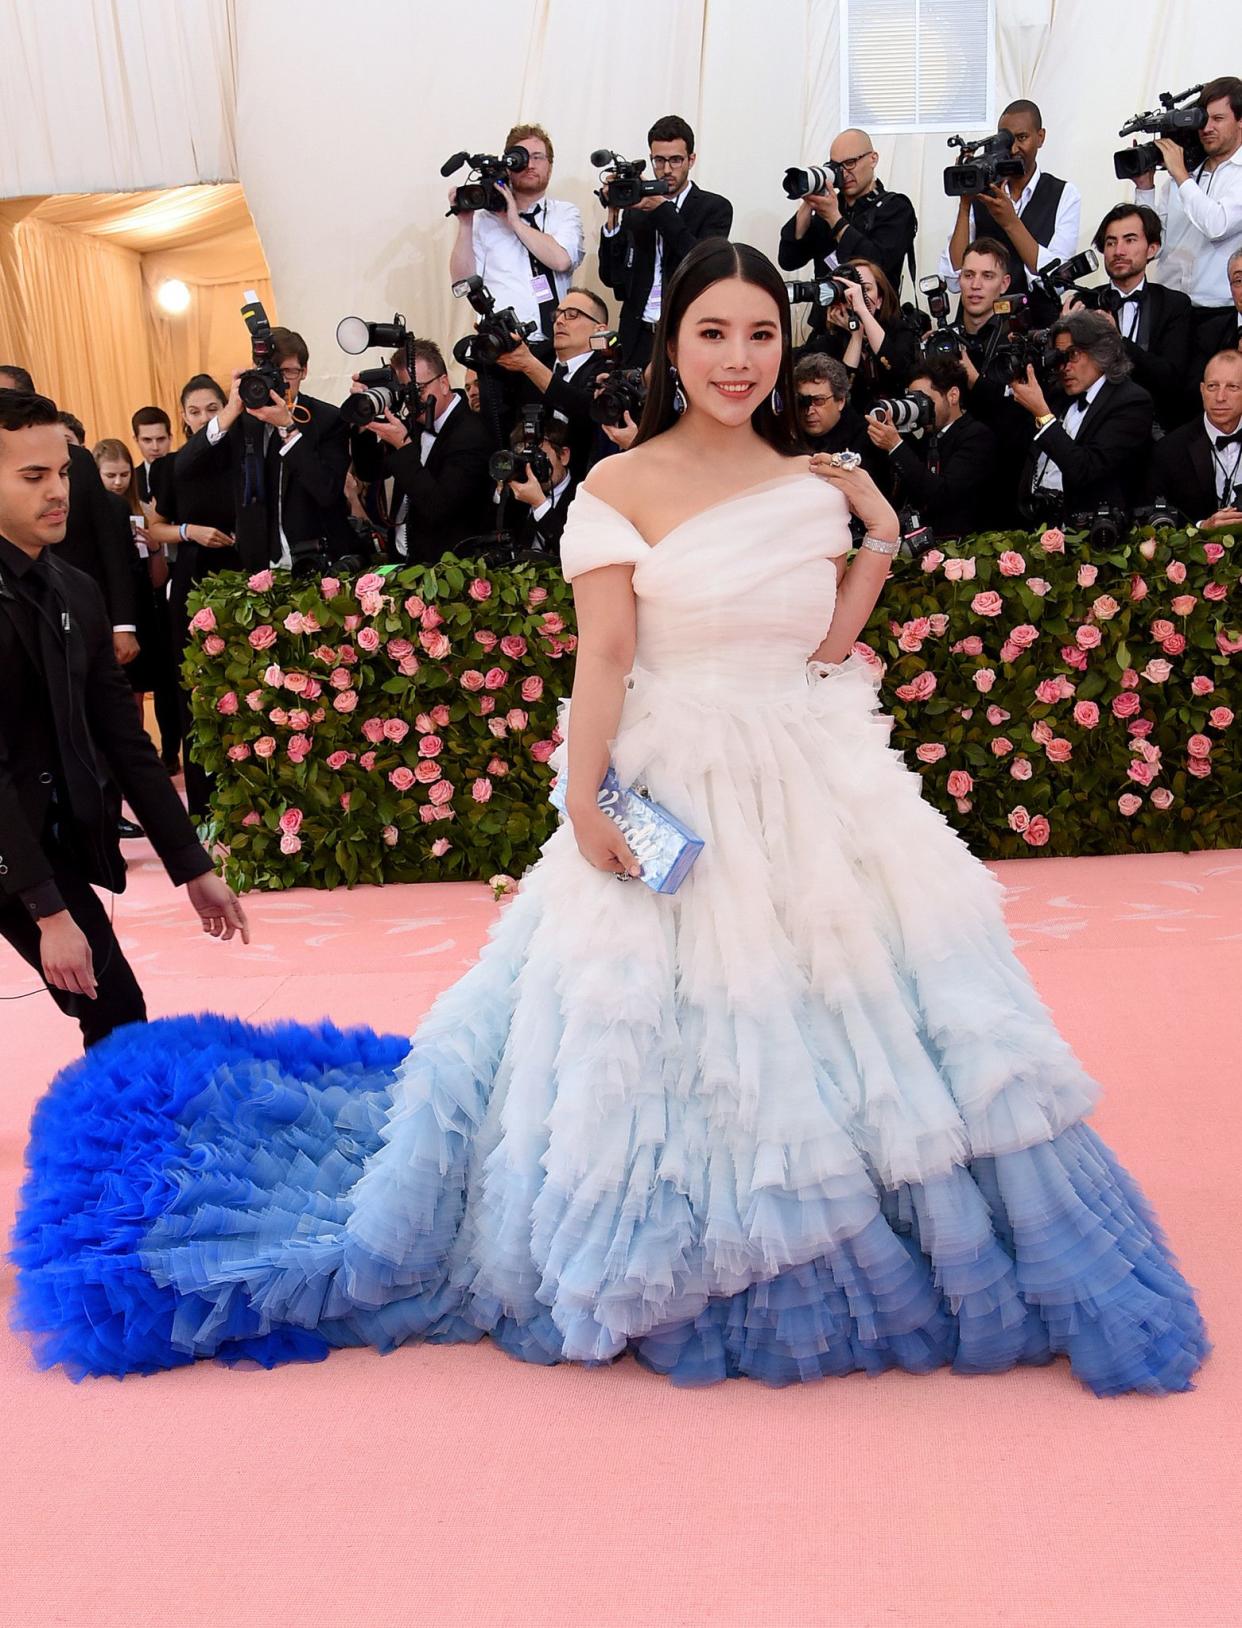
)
(913, 411)
(626, 184)
(256, 384)
(825, 292)
(383, 392)
(815, 179)
(1179, 124)
(487, 187)
(497, 332)
(527, 457)
(981, 164)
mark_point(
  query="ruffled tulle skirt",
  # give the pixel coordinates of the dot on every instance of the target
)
(805, 1117)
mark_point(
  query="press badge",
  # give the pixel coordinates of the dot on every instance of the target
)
(541, 289)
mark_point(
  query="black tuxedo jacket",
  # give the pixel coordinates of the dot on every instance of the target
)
(958, 500)
(881, 226)
(627, 258)
(69, 732)
(98, 540)
(1221, 332)
(572, 399)
(1106, 461)
(306, 484)
(543, 536)
(1182, 472)
(450, 498)
(1160, 354)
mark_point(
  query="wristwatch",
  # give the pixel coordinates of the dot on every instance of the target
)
(1044, 419)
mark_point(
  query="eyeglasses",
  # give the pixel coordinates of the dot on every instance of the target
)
(806, 402)
(849, 163)
(1060, 358)
(667, 163)
(575, 311)
(292, 372)
(537, 158)
(423, 384)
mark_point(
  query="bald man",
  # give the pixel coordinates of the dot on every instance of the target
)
(858, 220)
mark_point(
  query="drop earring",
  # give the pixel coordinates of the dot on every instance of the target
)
(679, 395)
(777, 400)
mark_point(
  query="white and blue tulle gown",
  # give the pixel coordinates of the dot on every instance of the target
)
(807, 1116)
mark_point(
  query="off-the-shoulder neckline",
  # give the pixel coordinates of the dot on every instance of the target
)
(734, 497)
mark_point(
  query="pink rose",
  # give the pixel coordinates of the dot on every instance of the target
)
(1021, 768)
(972, 645)
(959, 783)
(1037, 832)
(1053, 542)
(445, 813)
(541, 751)
(495, 678)
(1087, 637)
(1041, 732)
(430, 746)
(516, 719)
(1104, 608)
(1228, 645)
(1001, 746)
(251, 819)
(399, 649)
(431, 619)
(329, 587)
(472, 679)
(987, 604)
(371, 583)
(995, 715)
(213, 644)
(1216, 591)
(1039, 585)
(1175, 571)
(367, 761)
(1086, 714)
(536, 596)
(939, 624)
(396, 729)
(291, 821)
(984, 679)
(481, 790)
(293, 622)
(368, 640)
(1087, 575)
(290, 844)
(532, 688)
(254, 700)
(261, 638)
(299, 718)
(440, 847)
(238, 753)
(1149, 752)
(513, 646)
(441, 793)
(1138, 589)
(959, 570)
(347, 656)
(204, 621)
(1141, 773)
(1019, 819)
(1126, 704)
(930, 752)
(373, 729)
(227, 704)
(1183, 604)
(1130, 679)
(1147, 548)
(346, 701)
(426, 770)
(920, 688)
(1199, 746)
(402, 778)
(487, 705)
(408, 665)
(339, 678)
(1139, 727)
(297, 683)
(436, 645)
(423, 724)
(279, 717)
(1213, 552)
(1199, 767)
(963, 804)
(552, 623)
(426, 813)
(372, 605)
(1052, 690)
(326, 654)
(260, 582)
(1201, 686)
(1073, 657)
(1129, 804)
(313, 690)
(1024, 635)
(1009, 651)
(1162, 798)
(1011, 564)
(479, 589)
(1162, 629)
(498, 767)
(1059, 750)
(265, 746)
(486, 638)
(1174, 645)
(337, 760)
(931, 559)
(1220, 717)
(345, 799)
(414, 606)
(298, 748)
(1156, 670)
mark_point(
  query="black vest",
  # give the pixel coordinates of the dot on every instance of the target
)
(1040, 219)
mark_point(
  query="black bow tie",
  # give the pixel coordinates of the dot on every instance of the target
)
(1234, 440)
(1117, 300)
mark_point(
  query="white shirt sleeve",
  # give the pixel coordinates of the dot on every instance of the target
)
(214, 432)
(948, 271)
(1219, 216)
(569, 234)
(1065, 231)
(291, 442)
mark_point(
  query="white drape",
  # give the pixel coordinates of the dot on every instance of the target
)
(336, 118)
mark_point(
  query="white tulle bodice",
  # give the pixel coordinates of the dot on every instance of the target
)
(733, 600)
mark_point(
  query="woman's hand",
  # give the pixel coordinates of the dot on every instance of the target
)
(601, 844)
(209, 537)
(862, 494)
(880, 431)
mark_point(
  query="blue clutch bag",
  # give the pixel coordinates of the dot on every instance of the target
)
(658, 840)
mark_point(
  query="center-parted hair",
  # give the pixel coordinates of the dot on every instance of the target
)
(1096, 337)
(717, 260)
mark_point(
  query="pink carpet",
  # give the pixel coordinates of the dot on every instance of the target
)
(456, 1487)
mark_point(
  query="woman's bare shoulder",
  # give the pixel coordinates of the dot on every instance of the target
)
(624, 476)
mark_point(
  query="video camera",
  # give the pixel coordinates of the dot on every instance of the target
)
(1179, 124)
(263, 376)
(496, 333)
(528, 457)
(384, 392)
(826, 291)
(981, 164)
(625, 185)
(800, 184)
(487, 187)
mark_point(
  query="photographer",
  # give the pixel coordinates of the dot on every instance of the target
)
(287, 463)
(858, 221)
(829, 421)
(528, 254)
(1091, 454)
(568, 386)
(641, 246)
(880, 348)
(1153, 321)
(949, 478)
(438, 464)
(1223, 331)
(547, 502)
(1198, 468)
(1035, 216)
(1202, 213)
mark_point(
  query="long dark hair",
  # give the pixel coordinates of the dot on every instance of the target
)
(715, 260)
(200, 381)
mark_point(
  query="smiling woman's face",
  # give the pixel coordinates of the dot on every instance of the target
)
(728, 350)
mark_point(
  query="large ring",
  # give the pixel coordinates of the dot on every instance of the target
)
(845, 460)
(622, 876)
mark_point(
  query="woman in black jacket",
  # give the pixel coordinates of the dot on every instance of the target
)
(881, 351)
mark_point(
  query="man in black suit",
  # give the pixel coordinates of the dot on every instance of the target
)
(567, 388)
(68, 729)
(1198, 468)
(289, 461)
(1093, 452)
(828, 419)
(153, 437)
(98, 540)
(1224, 330)
(546, 502)
(641, 247)
(442, 492)
(1153, 321)
(950, 478)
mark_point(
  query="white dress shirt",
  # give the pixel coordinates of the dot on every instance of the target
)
(1128, 315)
(1048, 474)
(1226, 462)
(655, 296)
(503, 260)
(558, 492)
(1202, 220)
(1064, 232)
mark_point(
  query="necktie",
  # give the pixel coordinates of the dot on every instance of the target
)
(547, 315)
